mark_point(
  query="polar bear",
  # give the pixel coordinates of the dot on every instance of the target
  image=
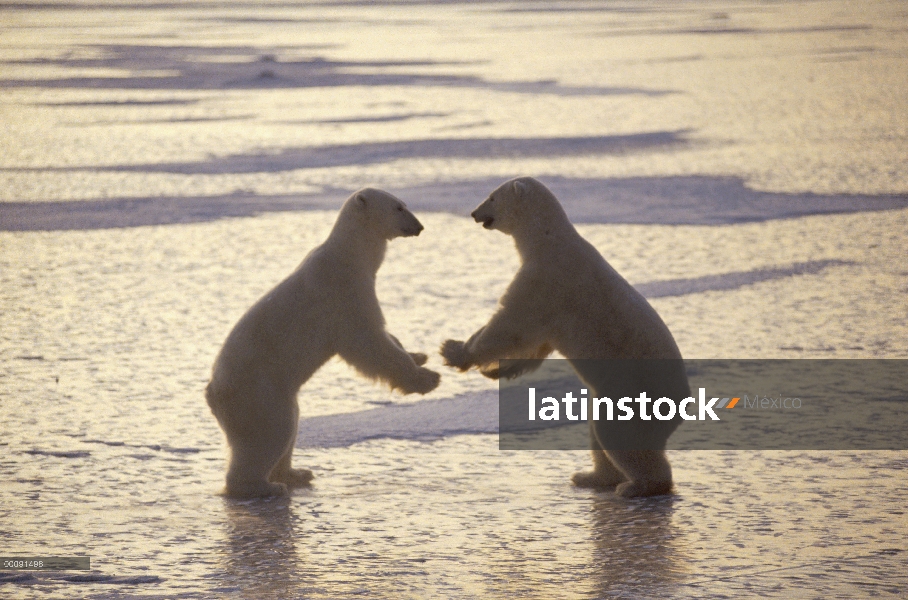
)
(566, 297)
(326, 307)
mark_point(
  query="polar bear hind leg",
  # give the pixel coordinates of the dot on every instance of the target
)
(262, 443)
(633, 473)
(246, 478)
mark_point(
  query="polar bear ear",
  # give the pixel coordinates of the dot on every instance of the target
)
(519, 188)
(361, 200)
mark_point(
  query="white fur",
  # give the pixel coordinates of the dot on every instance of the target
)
(326, 307)
(566, 297)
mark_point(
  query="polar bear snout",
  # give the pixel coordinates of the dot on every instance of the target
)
(412, 229)
(407, 224)
(480, 217)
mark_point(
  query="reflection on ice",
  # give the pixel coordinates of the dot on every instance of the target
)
(635, 547)
(259, 555)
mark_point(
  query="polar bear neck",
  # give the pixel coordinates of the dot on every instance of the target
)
(547, 230)
(356, 245)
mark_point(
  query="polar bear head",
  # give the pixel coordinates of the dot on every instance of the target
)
(380, 213)
(521, 206)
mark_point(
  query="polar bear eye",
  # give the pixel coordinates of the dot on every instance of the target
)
(400, 209)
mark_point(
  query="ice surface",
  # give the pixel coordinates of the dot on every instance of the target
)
(162, 165)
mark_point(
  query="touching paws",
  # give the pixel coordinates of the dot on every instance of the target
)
(455, 354)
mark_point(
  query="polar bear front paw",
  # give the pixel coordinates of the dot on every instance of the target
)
(425, 381)
(419, 358)
(455, 354)
(492, 371)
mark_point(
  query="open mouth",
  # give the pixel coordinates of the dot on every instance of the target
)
(487, 222)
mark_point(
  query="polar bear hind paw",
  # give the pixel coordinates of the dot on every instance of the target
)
(256, 489)
(592, 479)
(294, 478)
(644, 488)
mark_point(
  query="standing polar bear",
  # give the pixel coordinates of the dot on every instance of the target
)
(326, 307)
(566, 297)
